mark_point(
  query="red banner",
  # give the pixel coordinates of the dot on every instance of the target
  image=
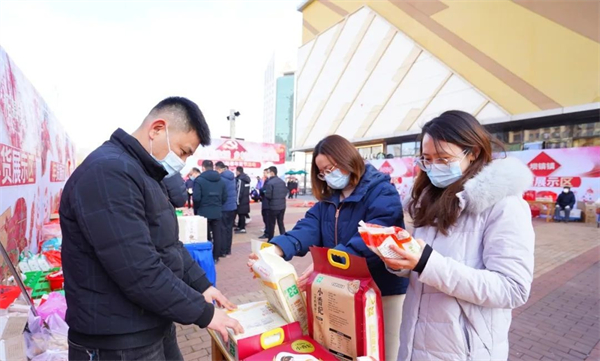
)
(18, 167)
(58, 172)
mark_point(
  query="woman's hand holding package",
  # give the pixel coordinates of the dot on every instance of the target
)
(409, 260)
(253, 257)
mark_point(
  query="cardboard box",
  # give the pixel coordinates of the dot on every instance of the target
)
(590, 213)
(302, 349)
(345, 313)
(279, 282)
(13, 349)
(263, 327)
(12, 325)
(192, 229)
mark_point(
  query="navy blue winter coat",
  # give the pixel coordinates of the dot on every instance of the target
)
(229, 178)
(127, 275)
(375, 200)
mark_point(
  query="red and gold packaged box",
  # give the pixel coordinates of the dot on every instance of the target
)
(345, 313)
(302, 349)
(263, 328)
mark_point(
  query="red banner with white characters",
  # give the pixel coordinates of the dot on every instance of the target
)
(553, 169)
(34, 150)
(234, 153)
(18, 167)
(58, 172)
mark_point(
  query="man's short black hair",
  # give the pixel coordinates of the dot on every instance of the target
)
(192, 117)
(240, 169)
(220, 165)
(196, 170)
(266, 169)
(273, 169)
(207, 164)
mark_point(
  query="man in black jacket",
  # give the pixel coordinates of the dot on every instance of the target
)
(210, 194)
(243, 198)
(127, 276)
(565, 202)
(275, 193)
(264, 204)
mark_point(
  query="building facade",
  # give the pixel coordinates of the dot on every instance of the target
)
(284, 112)
(374, 71)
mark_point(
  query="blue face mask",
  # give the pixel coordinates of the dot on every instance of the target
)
(337, 180)
(443, 175)
(172, 163)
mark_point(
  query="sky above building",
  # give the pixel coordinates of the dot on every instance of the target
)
(101, 65)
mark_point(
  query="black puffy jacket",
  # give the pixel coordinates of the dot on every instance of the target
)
(127, 276)
(276, 193)
(176, 189)
(210, 194)
(243, 193)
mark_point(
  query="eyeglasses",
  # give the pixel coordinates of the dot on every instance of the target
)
(326, 172)
(439, 163)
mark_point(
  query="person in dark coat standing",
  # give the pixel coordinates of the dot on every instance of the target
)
(264, 202)
(210, 194)
(229, 208)
(128, 278)
(243, 198)
(176, 190)
(189, 185)
(565, 202)
(275, 193)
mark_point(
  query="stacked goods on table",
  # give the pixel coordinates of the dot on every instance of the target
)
(343, 317)
(345, 312)
(263, 328)
(192, 229)
(41, 274)
(379, 239)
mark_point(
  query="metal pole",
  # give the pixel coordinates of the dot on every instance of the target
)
(232, 124)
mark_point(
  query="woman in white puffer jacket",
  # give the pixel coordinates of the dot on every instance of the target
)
(478, 242)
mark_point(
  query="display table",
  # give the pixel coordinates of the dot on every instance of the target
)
(549, 208)
(218, 350)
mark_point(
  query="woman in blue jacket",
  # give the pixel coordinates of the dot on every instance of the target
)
(350, 191)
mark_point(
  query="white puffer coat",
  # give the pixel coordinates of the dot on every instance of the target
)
(459, 307)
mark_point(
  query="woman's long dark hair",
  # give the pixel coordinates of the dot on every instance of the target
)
(439, 207)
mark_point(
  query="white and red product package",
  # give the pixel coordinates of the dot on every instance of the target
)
(379, 239)
(345, 313)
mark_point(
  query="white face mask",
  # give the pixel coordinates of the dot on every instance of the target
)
(172, 163)
(566, 190)
(337, 179)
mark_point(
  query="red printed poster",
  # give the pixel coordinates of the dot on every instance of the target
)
(58, 172)
(18, 167)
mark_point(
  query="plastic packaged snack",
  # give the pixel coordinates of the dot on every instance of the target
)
(379, 239)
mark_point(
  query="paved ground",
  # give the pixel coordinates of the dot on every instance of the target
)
(561, 321)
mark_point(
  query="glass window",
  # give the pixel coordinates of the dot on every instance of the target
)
(587, 142)
(515, 137)
(409, 149)
(395, 150)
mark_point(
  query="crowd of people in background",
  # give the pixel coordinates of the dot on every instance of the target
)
(221, 196)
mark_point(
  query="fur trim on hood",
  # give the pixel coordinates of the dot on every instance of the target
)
(498, 180)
